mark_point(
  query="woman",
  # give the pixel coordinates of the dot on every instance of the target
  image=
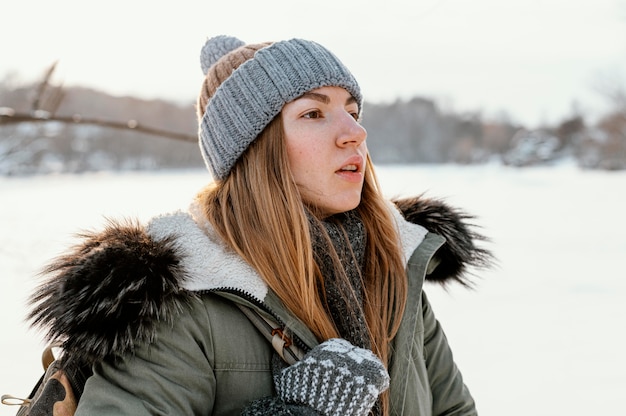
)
(294, 230)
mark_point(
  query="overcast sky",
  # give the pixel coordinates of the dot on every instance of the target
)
(530, 58)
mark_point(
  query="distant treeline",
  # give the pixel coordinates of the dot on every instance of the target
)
(410, 131)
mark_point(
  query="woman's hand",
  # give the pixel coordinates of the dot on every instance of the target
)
(335, 378)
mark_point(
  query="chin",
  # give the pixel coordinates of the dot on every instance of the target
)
(342, 208)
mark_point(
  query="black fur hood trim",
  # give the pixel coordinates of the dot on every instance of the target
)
(105, 295)
(461, 250)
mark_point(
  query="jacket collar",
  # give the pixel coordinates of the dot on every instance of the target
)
(111, 291)
(210, 265)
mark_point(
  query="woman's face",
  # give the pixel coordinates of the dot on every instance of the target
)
(326, 148)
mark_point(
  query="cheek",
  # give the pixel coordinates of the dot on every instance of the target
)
(302, 155)
(294, 155)
(300, 165)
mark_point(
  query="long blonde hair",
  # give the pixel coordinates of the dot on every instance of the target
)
(258, 212)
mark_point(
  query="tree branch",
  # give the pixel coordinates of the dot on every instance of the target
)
(7, 116)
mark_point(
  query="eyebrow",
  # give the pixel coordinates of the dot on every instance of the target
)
(323, 98)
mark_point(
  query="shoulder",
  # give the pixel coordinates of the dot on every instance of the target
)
(106, 294)
(110, 291)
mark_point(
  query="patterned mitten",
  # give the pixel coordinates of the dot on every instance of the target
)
(335, 378)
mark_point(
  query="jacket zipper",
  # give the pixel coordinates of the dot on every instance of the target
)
(261, 305)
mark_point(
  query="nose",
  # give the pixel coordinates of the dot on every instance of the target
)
(351, 132)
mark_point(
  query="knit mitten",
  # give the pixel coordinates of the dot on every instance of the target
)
(274, 406)
(335, 378)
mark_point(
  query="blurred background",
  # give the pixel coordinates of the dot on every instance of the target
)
(519, 82)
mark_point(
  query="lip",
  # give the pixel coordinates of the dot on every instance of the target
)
(352, 176)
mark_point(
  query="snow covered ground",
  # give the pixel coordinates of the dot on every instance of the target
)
(542, 334)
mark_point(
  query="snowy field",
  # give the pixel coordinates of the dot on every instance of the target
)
(543, 334)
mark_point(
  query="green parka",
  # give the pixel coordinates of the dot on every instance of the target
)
(152, 307)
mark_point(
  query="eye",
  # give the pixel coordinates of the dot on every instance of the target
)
(353, 110)
(313, 114)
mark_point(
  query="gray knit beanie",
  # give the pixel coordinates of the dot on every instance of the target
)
(246, 86)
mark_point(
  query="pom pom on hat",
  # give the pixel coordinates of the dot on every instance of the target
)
(215, 48)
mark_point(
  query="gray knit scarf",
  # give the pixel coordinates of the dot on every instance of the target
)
(342, 289)
(342, 292)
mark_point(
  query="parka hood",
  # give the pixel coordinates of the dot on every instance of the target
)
(105, 295)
